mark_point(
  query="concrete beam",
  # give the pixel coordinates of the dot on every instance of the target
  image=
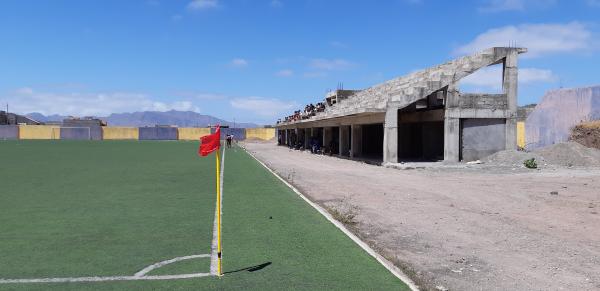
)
(476, 113)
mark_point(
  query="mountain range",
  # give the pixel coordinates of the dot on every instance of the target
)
(152, 118)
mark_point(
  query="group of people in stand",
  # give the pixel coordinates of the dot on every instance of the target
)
(310, 110)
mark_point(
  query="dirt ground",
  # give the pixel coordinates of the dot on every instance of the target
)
(463, 229)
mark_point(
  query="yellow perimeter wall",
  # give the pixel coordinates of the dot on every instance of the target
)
(521, 134)
(120, 133)
(260, 133)
(192, 133)
(39, 132)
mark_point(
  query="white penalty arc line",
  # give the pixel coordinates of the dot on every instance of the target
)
(214, 261)
(139, 276)
(383, 261)
(163, 263)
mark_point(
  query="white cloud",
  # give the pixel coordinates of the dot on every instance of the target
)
(285, 73)
(238, 63)
(276, 3)
(27, 100)
(330, 64)
(202, 4)
(540, 39)
(514, 5)
(263, 106)
(491, 77)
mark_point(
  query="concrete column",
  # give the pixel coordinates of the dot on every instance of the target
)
(390, 136)
(451, 139)
(356, 141)
(296, 136)
(344, 140)
(510, 87)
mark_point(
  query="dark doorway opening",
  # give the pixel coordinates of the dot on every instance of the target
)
(421, 141)
(333, 145)
(372, 140)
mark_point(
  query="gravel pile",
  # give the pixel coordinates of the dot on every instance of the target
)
(570, 154)
(512, 158)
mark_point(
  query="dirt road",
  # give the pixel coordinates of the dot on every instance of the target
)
(463, 229)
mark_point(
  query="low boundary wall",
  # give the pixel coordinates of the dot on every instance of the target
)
(9, 132)
(260, 133)
(192, 133)
(81, 133)
(158, 133)
(39, 132)
(120, 133)
(129, 133)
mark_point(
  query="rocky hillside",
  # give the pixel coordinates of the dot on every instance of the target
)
(558, 112)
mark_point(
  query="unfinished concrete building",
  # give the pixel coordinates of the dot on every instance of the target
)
(421, 116)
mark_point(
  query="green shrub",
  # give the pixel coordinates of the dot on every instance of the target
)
(530, 164)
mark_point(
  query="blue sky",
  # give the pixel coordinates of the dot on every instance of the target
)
(256, 60)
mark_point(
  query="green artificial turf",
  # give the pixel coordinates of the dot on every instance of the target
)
(111, 208)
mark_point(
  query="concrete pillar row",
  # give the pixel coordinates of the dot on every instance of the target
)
(390, 136)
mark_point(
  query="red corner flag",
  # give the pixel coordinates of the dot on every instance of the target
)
(210, 143)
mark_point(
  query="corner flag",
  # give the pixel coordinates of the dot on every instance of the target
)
(209, 144)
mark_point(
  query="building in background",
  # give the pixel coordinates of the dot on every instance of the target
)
(16, 119)
(421, 116)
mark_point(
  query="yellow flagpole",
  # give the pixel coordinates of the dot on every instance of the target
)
(218, 215)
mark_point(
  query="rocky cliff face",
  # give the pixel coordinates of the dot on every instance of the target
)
(558, 112)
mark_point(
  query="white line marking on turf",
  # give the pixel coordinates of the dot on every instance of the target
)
(150, 268)
(104, 279)
(387, 264)
(141, 275)
(215, 256)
